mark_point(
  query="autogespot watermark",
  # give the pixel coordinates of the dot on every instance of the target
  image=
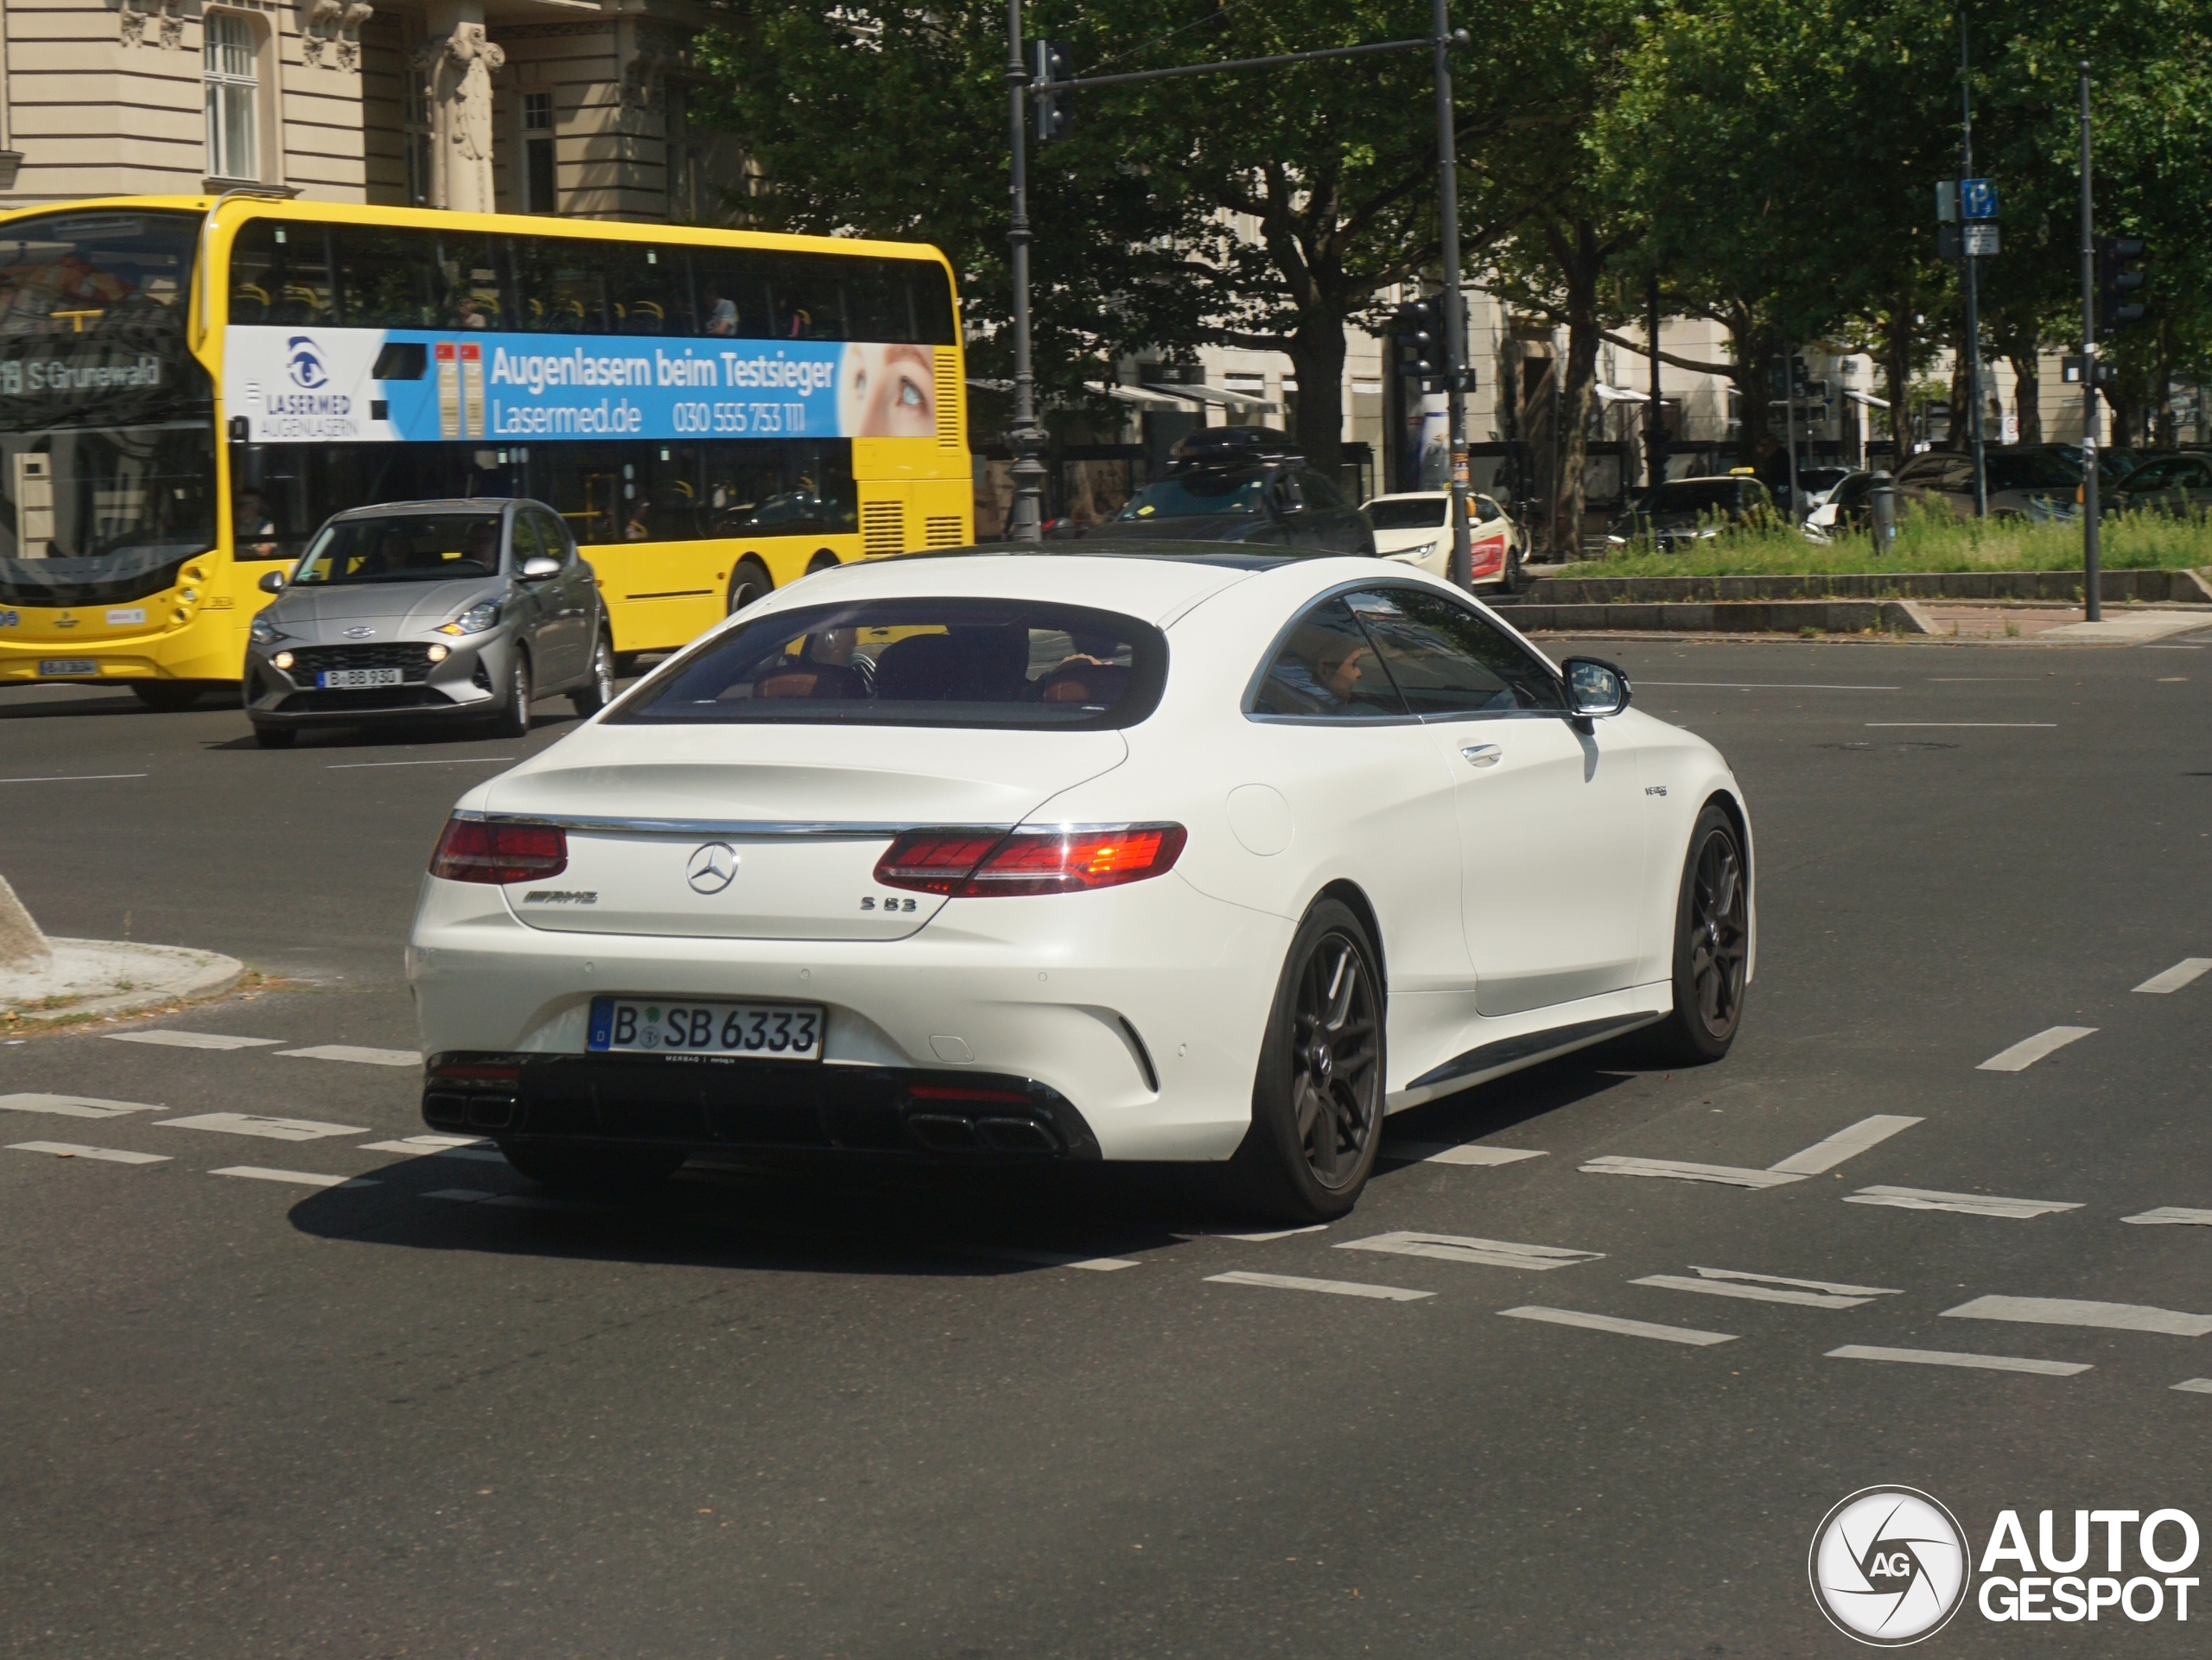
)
(1891, 1566)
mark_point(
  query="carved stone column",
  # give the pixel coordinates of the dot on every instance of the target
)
(458, 69)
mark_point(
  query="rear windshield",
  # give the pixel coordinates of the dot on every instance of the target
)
(977, 662)
(1415, 514)
(1188, 494)
(419, 548)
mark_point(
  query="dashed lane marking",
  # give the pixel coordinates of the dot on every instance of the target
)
(2024, 1053)
(441, 1147)
(1250, 1238)
(298, 1178)
(1677, 1170)
(2173, 1216)
(194, 1039)
(1331, 1287)
(1045, 1258)
(1482, 1253)
(1924, 1198)
(2195, 1385)
(354, 1052)
(72, 777)
(2067, 1311)
(75, 1106)
(1768, 1287)
(1763, 685)
(71, 1150)
(2000, 726)
(2189, 968)
(1949, 1357)
(1447, 1153)
(455, 761)
(1823, 1156)
(274, 1130)
(1623, 1328)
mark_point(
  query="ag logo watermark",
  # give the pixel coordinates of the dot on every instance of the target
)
(1889, 1565)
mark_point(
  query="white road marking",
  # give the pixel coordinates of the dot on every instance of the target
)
(1727, 1174)
(75, 1106)
(1482, 1253)
(2173, 1216)
(274, 1130)
(1624, 1327)
(72, 777)
(1333, 1287)
(443, 1146)
(71, 1150)
(298, 1178)
(2176, 977)
(1763, 685)
(2195, 1385)
(2067, 1311)
(451, 760)
(2008, 725)
(1948, 1358)
(352, 1052)
(194, 1039)
(1769, 1288)
(1046, 1258)
(1923, 1198)
(2024, 1053)
(1823, 1156)
(1248, 1238)
(1448, 1153)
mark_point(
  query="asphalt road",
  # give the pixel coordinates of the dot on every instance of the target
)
(432, 1413)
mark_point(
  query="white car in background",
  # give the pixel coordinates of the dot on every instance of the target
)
(1415, 528)
(1179, 852)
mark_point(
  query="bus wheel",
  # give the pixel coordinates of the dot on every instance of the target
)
(276, 737)
(748, 582)
(824, 560)
(168, 696)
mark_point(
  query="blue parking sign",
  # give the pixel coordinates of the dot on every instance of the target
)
(1977, 199)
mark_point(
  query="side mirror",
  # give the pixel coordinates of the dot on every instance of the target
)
(538, 567)
(1595, 687)
(272, 582)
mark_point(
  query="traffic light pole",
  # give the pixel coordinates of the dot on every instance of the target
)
(1461, 571)
(1025, 517)
(1972, 276)
(2091, 574)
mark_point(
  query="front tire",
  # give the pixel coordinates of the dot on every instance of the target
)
(597, 692)
(594, 1172)
(1712, 936)
(1317, 1098)
(749, 581)
(513, 718)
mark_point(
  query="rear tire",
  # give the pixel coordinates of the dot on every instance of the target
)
(167, 696)
(1317, 1097)
(513, 720)
(824, 560)
(1712, 947)
(597, 692)
(748, 582)
(594, 1172)
(276, 737)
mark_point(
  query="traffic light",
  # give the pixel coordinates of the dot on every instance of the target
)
(1417, 332)
(1055, 103)
(2120, 259)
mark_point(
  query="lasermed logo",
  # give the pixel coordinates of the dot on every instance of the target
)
(1889, 1565)
(303, 359)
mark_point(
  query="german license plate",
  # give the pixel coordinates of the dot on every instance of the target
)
(645, 1026)
(356, 679)
(67, 665)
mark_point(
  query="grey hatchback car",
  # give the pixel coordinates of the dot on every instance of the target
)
(446, 612)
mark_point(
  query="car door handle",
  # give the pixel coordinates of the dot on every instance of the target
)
(1482, 754)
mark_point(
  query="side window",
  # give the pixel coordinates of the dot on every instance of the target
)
(1958, 473)
(1449, 660)
(1319, 492)
(384, 276)
(1327, 667)
(280, 273)
(527, 544)
(732, 287)
(646, 290)
(1923, 470)
(468, 283)
(562, 288)
(551, 534)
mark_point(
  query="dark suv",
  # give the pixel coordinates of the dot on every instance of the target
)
(1682, 511)
(1243, 484)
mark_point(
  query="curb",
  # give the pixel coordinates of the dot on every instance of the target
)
(2116, 588)
(1725, 617)
(188, 975)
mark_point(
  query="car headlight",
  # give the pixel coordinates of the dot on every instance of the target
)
(264, 632)
(474, 620)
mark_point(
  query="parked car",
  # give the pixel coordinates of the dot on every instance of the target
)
(1843, 506)
(1681, 511)
(1415, 528)
(2179, 484)
(1243, 484)
(1817, 485)
(442, 612)
(2023, 478)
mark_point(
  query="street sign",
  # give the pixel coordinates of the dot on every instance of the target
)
(1981, 239)
(1977, 200)
(1947, 201)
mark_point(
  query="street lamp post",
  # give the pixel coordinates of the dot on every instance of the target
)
(1461, 571)
(1973, 286)
(1025, 517)
(2092, 578)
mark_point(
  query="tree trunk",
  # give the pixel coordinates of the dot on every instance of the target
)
(2027, 394)
(1580, 259)
(1963, 414)
(1897, 367)
(1317, 352)
(1751, 346)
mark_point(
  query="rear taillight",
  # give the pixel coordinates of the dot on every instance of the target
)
(474, 851)
(970, 864)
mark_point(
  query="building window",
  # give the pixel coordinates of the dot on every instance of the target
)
(414, 135)
(538, 153)
(231, 70)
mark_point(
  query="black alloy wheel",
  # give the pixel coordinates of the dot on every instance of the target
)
(1317, 1101)
(596, 693)
(1713, 941)
(513, 720)
(747, 582)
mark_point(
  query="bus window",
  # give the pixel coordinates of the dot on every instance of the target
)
(731, 285)
(469, 282)
(384, 276)
(877, 304)
(280, 274)
(806, 302)
(645, 289)
(561, 287)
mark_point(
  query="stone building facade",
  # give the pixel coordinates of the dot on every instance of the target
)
(570, 107)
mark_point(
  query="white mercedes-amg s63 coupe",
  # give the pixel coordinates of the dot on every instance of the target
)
(1173, 853)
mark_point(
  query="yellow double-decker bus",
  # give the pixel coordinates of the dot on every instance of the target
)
(190, 385)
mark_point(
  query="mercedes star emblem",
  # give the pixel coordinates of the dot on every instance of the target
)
(713, 867)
